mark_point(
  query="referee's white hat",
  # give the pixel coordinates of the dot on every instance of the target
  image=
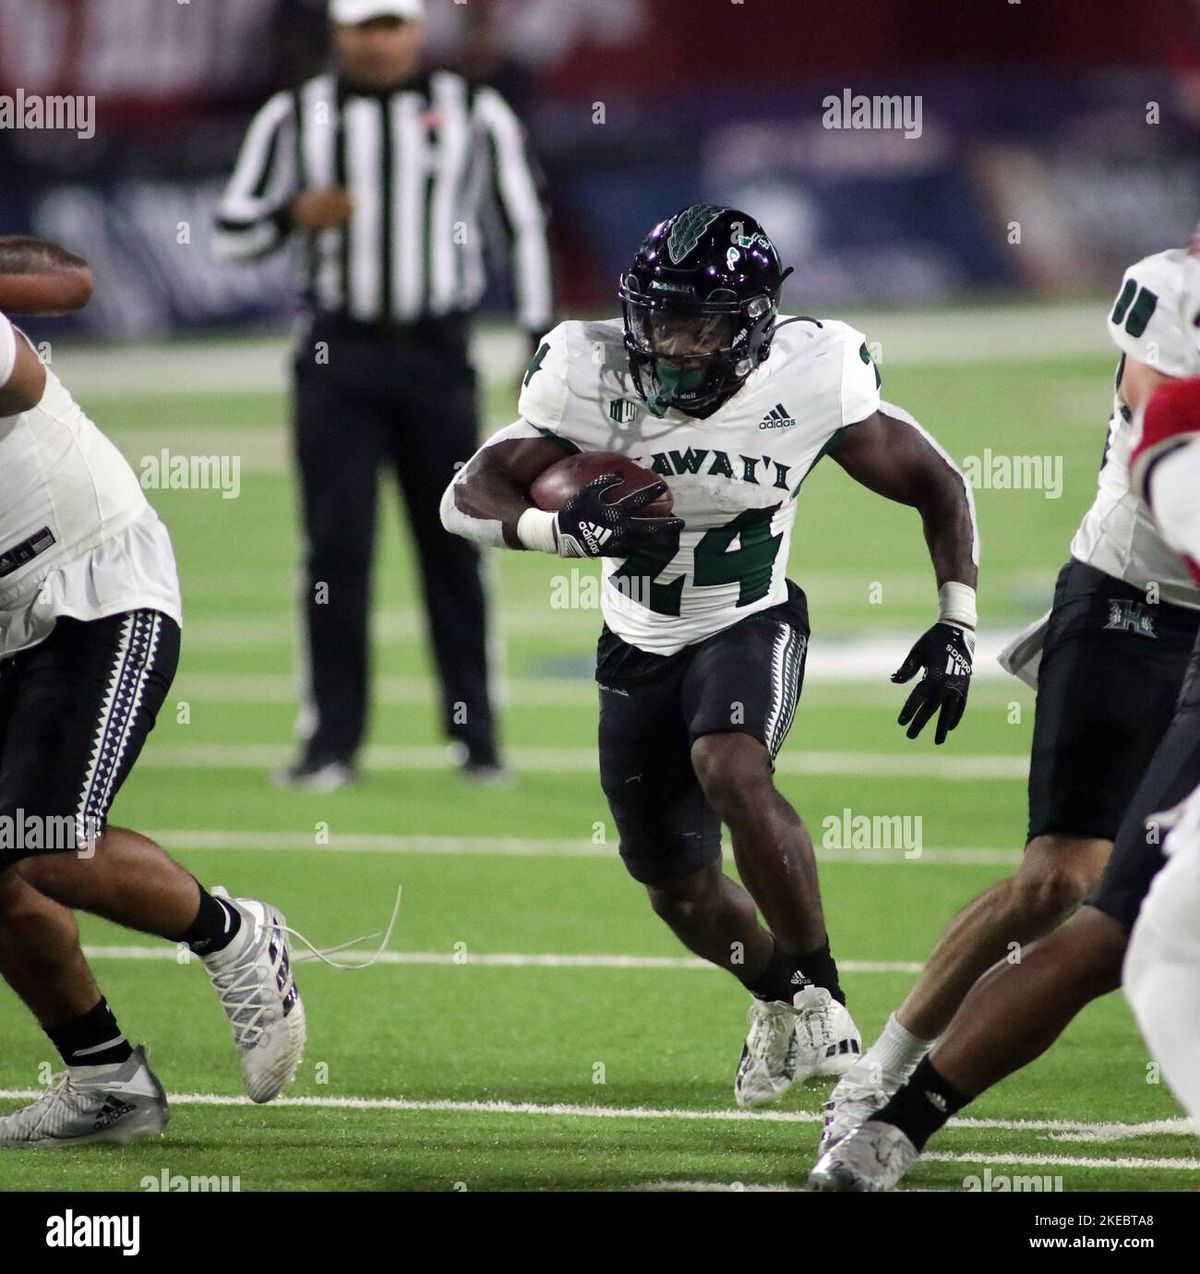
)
(351, 12)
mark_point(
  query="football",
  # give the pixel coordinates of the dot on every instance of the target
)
(29, 294)
(554, 486)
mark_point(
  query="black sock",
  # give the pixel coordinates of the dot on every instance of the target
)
(786, 974)
(94, 1039)
(923, 1104)
(215, 926)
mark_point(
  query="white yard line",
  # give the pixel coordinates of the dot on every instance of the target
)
(1131, 1163)
(504, 960)
(863, 658)
(515, 846)
(263, 756)
(1180, 1127)
(570, 693)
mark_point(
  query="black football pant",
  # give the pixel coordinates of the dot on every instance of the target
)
(368, 399)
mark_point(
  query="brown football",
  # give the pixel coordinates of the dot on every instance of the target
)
(61, 292)
(554, 486)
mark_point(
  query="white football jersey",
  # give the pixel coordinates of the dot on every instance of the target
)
(1150, 322)
(734, 477)
(77, 536)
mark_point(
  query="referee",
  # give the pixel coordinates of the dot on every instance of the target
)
(382, 169)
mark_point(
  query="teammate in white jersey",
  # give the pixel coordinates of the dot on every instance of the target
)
(89, 641)
(1017, 1010)
(1108, 662)
(701, 658)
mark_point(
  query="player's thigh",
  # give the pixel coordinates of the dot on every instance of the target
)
(666, 829)
(1173, 773)
(747, 680)
(1106, 694)
(85, 701)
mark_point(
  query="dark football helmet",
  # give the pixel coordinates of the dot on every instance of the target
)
(700, 302)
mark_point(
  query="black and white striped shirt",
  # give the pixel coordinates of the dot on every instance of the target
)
(418, 163)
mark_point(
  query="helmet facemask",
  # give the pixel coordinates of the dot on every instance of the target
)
(692, 354)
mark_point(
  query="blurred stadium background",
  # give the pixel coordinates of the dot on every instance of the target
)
(1034, 113)
(528, 972)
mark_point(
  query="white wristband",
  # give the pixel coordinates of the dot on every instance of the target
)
(956, 605)
(536, 529)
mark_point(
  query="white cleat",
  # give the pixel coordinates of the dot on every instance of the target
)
(874, 1157)
(830, 1043)
(770, 1055)
(810, 1038)
(860, 1093)
(96, 1104)
(254, 982)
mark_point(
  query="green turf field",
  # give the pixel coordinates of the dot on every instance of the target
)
(592, 1055)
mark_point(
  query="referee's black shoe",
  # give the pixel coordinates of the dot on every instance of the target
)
(316, 774)
(479, 766)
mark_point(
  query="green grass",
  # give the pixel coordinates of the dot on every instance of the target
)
(650, 1039)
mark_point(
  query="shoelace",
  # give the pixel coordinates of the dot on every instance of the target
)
(815, 1022)
(323, 954)
(238, 988)
(61, 1089)
(238, 991)
(766, 1032)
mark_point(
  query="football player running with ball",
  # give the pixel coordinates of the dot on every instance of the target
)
(701, 658)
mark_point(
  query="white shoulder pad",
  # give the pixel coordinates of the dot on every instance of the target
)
(544, 388)
(860, 376)
(575, 367)
(1147, 322)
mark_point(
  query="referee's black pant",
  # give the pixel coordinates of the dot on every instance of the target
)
(367, 398)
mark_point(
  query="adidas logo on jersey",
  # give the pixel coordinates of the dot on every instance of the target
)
(777, 418)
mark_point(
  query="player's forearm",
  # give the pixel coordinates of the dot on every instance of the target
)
(949, 524)
(488, 502)
(484, 504)
(39, 277)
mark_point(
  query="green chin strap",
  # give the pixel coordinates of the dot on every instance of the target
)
(670, 382)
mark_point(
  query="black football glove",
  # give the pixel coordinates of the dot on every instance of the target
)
(944, 653)
(588, 525)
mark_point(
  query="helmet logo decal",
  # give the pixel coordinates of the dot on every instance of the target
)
(731, 258)
(686, 232)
